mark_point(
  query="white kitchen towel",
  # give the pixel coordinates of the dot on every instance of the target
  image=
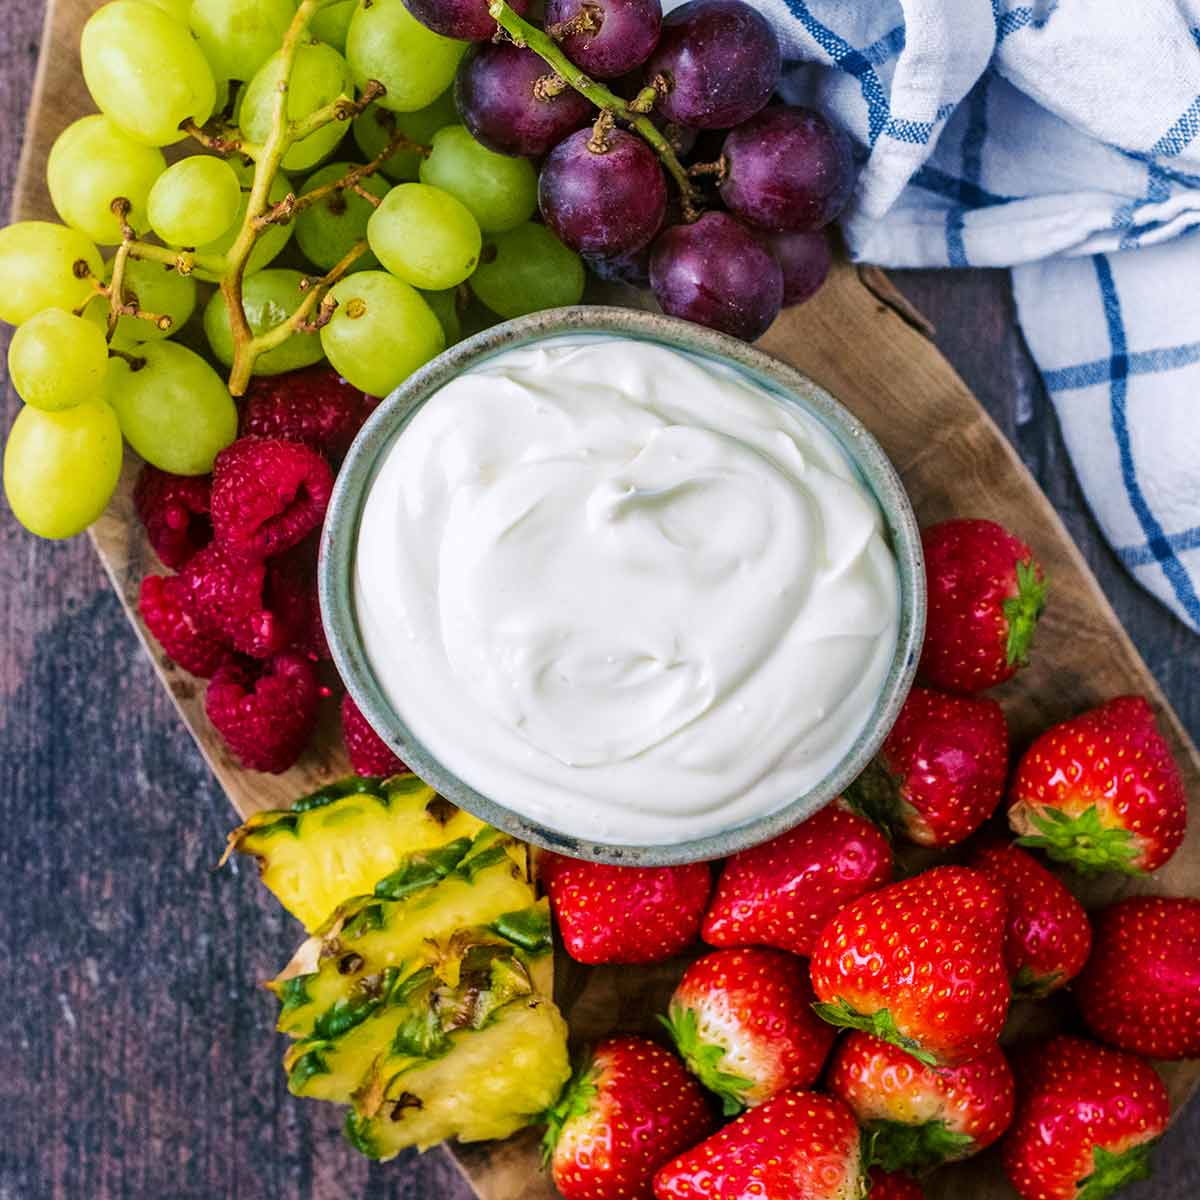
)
(1062, 139)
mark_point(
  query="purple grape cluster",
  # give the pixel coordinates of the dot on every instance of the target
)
(745, 234)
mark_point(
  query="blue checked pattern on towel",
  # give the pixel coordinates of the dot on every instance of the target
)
(1061, 138)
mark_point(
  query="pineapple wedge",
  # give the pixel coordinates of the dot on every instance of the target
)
(339, 977)
(339, 841)
(470, 975)
(487, 1083)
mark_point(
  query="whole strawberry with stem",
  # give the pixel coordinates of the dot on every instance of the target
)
(917, 1117)
(886, 1185)
(743, 1022)
(1047, 934)
(798, 1145)
(919, 963)
(1140, 990)
(940, 772)
(1101, 791)
(783, 892)
(985, 596)
(609, 914)
(630, 1108)
(1087, 1119)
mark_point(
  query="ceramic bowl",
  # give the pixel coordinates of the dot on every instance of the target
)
(358, 471)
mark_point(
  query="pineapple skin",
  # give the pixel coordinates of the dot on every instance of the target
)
(340, 841)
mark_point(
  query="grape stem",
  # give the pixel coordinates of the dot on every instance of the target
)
(224, 140)
(529, 36)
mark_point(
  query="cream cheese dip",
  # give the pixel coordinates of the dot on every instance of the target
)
(624, 591)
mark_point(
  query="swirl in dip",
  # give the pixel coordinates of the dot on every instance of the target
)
(624, 591)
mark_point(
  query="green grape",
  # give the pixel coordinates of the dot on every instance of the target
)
(425, 236)
(269, 298)
(179, 9)
(174, 409)
(381, 331)
(195, 201)
(500, 191)
(386, 42)
(375, 128)
(61, 468)
(155, 289)
(526, 270)
(145, 71)
(93, 163)
(57, 360)
(238, 36)
(332, 24)
(43, 265)
(445, 308)
(328, 230)
(270, 242)
(320, 77)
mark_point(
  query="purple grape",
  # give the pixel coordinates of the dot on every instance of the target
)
(718, 273)
(805, 259)
(721, 61)
(623, 35)
(610, 202)
(495, 97)
(787, 170)
(466, 20)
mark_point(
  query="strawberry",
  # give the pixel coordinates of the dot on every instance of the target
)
(1101, 791)
(918, 1117)
(630, 1108)
(1087, 1118)
(1047, 936)
(743, 1021)
(941, 771)
(799, 1146)
(612, 914)
(919, 963)
(986, 594)
(885, 1186)
(783, 892)
(1140, 990)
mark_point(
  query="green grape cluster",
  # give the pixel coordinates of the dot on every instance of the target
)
(383, 238)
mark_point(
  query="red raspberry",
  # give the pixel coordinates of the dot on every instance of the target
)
(229, 598)
(267, 495)
(369, 753)
(292, 588)
(174, 510)
(164, 604)
(266, 712)
(316, 407)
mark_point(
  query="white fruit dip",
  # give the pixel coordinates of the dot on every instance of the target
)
(624, 591)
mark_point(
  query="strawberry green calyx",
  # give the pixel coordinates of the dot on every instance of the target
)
(1022, 612)
(1113, 1171)
(917, 1149)
(577, 1100)
(1028, 985)
(704, 1060)
(880, 1024)
(1083, 842)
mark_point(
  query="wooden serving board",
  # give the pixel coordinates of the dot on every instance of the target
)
(954, 461)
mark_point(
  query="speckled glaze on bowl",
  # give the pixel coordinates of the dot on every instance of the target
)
(358, 472)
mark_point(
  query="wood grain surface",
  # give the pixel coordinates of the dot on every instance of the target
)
(140, 1058)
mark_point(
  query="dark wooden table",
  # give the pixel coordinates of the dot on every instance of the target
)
(138, 1058)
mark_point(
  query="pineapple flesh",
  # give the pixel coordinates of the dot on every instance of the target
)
(340, 841)
(336, 978)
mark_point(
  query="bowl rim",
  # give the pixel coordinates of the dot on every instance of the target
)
(340, 534)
